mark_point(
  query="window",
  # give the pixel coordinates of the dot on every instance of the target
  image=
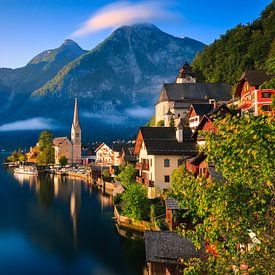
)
(180, 162)
(167, 163)
(266, 94)
(178, 115)
(266, 108)
(166, 178)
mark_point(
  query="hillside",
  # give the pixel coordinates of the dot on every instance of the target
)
(243, 47)
(127, 68)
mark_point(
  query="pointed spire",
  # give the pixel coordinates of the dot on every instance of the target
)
(75, 121)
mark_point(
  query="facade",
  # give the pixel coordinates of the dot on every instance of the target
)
(253, 99)
(196, 112)
(176, 98)
(104, 155)
(71, 149)
(31, 156)
(127, 156)
(160, 150)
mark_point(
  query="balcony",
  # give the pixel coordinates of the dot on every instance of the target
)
(148, 183)
(142, 166)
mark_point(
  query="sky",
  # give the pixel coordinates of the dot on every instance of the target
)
(28, 27)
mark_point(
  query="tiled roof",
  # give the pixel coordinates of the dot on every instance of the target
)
(255, 77)
(59, 140)
(168, 247)
(171, 203)
(202, 109)
(195, 91)
(163, 141)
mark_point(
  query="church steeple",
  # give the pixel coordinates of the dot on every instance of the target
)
(76, 136)
(75, 120)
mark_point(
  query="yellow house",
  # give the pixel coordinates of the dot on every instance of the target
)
(160, 150)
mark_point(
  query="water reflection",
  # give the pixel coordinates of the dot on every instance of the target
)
(65, 226)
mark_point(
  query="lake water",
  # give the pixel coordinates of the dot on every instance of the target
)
(54, 225)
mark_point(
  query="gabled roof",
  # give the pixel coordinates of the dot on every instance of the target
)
(101, 145)
(216, 112)
(163, 141)
(168, 247)
(195, 91)
(253, 77)
(59, 140)
(201, 108)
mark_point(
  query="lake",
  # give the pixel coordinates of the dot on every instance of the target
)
(54, 225)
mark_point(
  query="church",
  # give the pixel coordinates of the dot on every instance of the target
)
(71, 149)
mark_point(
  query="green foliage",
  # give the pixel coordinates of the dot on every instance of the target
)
(63, 161)
(243, 47)
(151, 122)
(16, 156)
(127, 174)
(46, 149)
(160, 123)
(223, 213)
(172, 122)
(135, 203)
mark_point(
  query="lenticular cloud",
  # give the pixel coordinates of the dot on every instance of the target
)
(121, 13)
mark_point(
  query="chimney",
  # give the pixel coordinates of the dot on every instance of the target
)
(179, 131)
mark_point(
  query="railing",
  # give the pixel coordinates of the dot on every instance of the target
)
(142, 166)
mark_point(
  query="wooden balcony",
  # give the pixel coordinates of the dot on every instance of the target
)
(142, 166)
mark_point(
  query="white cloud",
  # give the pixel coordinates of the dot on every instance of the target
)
(121, 13)
(37, 123)
(107, 118)
(140, 112)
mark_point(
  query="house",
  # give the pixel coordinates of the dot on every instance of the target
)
(104, 155)
(127, 155)
(196, 112)
(171, 206)
(201, 168)
(254, 99)
(164, 250)
(207, 123)
(160, 150)
(178, 97)
(71, 149)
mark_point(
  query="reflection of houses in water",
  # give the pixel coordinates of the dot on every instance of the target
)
(105, 200)
(26, 179)
(75, 204)
(61, 188)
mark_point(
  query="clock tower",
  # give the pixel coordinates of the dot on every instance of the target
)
(186, 74)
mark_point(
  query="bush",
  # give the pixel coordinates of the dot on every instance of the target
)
(135, 203)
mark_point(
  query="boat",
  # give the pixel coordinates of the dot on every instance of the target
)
(26, 169)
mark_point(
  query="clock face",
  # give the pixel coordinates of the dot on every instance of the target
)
(188, 78)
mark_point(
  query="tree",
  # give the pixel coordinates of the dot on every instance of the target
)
(63, 161)
(172, 122)
(46, 149)
(16, 156)
(127, 175)
(135, 203)
(225, 214)
(160, 123)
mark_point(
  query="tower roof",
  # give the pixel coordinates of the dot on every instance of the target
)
(75, 120)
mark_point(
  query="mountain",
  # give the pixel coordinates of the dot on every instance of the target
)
(243, 47)
(117, 82)
(18, 84)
